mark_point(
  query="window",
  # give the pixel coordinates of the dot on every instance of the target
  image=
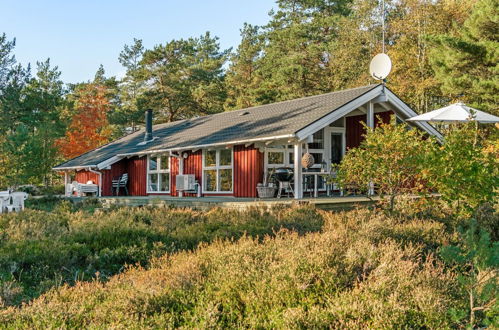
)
(217, 170)
(276, 157)
(158, 174)
(318, 140)
(283, 155)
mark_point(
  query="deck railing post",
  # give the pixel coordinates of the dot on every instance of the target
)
(298, 170)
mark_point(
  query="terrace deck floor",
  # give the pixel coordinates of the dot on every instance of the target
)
(205, 203)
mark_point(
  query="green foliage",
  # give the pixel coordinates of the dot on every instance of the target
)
(390, 157)
(476, 259)
(363, 269)
(307, 48)
(464, 169)
(39, 249)
(185, 78)
(131, 86)
(467, 63)
(243, 78)
(29, 113)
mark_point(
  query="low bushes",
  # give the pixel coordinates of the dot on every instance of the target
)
(364, 269)
(39, 250)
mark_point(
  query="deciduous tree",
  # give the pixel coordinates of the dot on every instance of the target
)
(89, 127)
(390, 157)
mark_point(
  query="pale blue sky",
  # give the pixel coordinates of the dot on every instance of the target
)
(78, 36)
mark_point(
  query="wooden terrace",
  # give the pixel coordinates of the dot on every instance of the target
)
(206, 203)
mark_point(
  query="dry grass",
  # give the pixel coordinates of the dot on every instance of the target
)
(364, 269)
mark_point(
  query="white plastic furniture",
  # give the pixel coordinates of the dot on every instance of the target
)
(18, 199)
(69, 189)
(85, 188)
(4, 200)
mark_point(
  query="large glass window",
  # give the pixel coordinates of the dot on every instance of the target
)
(158, 174)
(217, 170)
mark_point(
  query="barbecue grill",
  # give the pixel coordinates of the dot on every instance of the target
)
(283, 174)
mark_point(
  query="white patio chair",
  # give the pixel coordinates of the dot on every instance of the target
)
(76, 188)
(2, 205)
(18, 199)
(4, 200)
(69, 189)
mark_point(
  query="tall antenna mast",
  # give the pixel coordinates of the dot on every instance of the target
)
(381, 65)
(383, 25)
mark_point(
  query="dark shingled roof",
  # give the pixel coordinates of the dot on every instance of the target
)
(265, 121)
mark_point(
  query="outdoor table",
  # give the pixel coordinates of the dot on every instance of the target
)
(316, 175)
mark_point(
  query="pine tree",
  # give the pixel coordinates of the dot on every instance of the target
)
(185, 78)
(131, 86)
(467, 64)
(243, 77)
(7, 59)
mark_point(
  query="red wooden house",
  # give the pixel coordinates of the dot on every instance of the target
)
(230, 153)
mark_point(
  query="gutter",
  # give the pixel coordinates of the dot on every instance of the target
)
(73, 168)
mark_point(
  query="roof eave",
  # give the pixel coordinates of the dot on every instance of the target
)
(338, 113)
(70, 168)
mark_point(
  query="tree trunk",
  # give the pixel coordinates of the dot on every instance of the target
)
(472, 311)
(392, 202)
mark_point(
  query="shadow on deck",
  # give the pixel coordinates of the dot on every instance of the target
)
(205, 203)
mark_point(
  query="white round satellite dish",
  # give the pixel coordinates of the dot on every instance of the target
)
(380, 66)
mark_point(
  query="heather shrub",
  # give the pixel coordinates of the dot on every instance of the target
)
(40, 250)
(363, 269)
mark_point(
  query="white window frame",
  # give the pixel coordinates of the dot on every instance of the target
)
(159, 171)
(283, 149)
(217, 168)
(337, 130)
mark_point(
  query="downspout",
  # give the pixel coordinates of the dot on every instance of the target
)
(100, 179)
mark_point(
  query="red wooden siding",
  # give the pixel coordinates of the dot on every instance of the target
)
(385, 117)
(137, 171)
(85, 176)
(174, 171)
(248, 171)
(355, 130)
(193, 164)
(117, 169)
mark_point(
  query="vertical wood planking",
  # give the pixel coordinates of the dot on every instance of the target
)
(137, 171)
(117, 169)
(193, 165)
(248, 170)
(174, 163)
(85, 176)
(355, 130)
